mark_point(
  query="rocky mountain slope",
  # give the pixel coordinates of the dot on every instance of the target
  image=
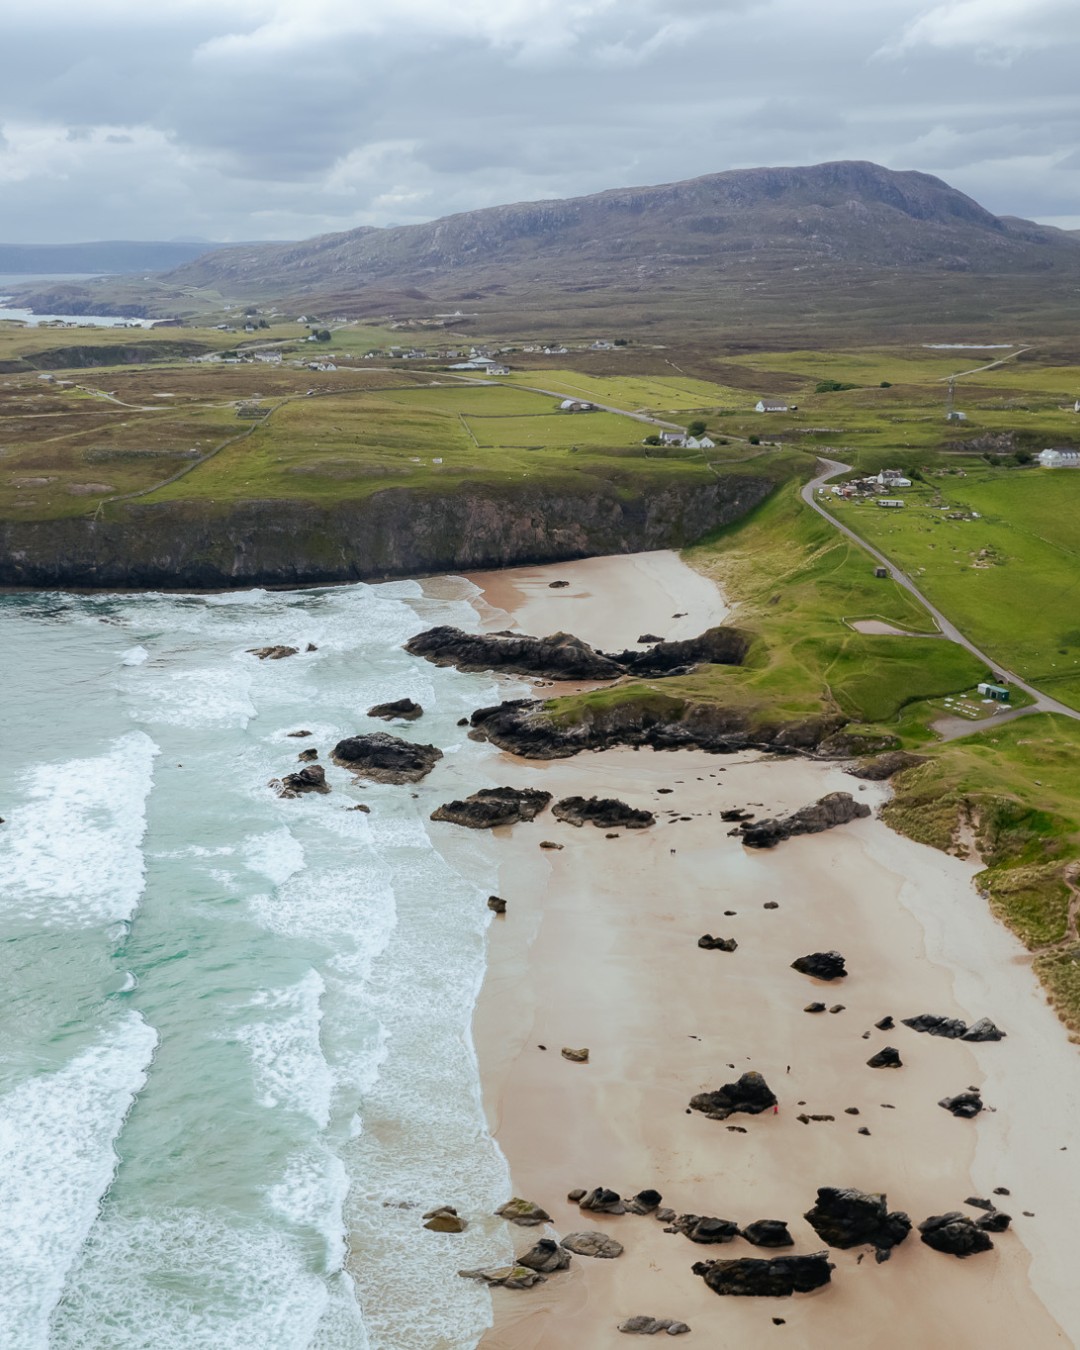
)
(848, 213)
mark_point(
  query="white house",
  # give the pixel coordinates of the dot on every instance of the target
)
(673, 438)
(764, 405)
(892, 478)
(699, 443)
(498, 370)
(1059, 459)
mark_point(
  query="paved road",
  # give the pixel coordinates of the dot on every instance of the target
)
(1043, 702)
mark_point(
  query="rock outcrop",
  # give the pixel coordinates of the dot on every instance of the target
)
(768, 1233)
(662, 721)
(445, 1219)
(766, 1277)
(954, 1029)
(492, 807)
(606, 813)
(272, 653)
(565, 657)
(602, 1201)
(821, 965)
(523, 1212)
(967, 1105)
(546, 1257)
(507, 1277)
(645, 1202)
(699, 1228)
(717, 944)
(652, 1326)
(598, 1245)
(886, 1058)
(849, 1218)
(751, 1094)
(835, 808)
(311, 778)
(383, 758)
(955, 1234)
(881, 767)
(403, 708)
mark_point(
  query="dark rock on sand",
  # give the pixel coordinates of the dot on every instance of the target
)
(997, 1221)
(977, 1202)
(577, 1195)
(272, 653)
(403, 708)
(768, 1277)
(887, 1058)
(528, 727)
(491, 807)
(770, 904)
(821, 965)
(886, 1024)
(649, 638)
(565, 657)
(955, 1234)
(598, 1245)
(653, 1326)
(644, 1202)
(496, 904)
(835, 808)
(964, 1104)
(602, 1201)
(575, 1056)
(524, 1213)
(768, 1233)
(312, 778)
(814, 1008)
(603, 812)
(508, 1277)
(547, 1256)
(699, 1228)
(848, 1218)
(750, 1094)
(717, 944)
(983, 1030)
(386, 759)
(736, 813)
(950, 1027)
(445, 1219)
(664, 1215)
(880, 767)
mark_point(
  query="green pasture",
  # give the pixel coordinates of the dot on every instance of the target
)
(656, 395)
(1009, 579)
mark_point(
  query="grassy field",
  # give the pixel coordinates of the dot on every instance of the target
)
(999, 552)
(657, 395)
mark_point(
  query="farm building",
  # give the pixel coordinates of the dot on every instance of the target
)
(997, 692)
(765, 405)
(498, 370)
(576, 405)
(889, 501)
(699, 443)
(892, 478)
(673, 438)
(1059, 458)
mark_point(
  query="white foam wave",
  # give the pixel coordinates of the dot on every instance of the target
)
(134, 656)
(290, 1070)
(56, 1161)
(71, 851)
(277, 855)
(197, 1279)
(210, 696)
(311, 1194)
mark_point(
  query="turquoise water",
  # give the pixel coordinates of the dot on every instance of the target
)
(235, 1063)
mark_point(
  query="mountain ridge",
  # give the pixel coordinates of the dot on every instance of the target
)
(847, 211)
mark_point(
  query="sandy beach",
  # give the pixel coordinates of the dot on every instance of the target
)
(599, 949)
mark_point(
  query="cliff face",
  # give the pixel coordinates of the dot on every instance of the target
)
(183, 545)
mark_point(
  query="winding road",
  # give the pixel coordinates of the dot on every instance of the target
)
(1043, 702)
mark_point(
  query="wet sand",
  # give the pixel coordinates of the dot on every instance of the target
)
(598, 949)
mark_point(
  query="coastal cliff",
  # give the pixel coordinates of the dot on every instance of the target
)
(394, 533)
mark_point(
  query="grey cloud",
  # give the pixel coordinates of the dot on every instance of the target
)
(335, 128)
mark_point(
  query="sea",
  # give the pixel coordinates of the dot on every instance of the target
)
(235, 1055)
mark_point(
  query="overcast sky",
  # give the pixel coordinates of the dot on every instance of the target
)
(278, 119)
